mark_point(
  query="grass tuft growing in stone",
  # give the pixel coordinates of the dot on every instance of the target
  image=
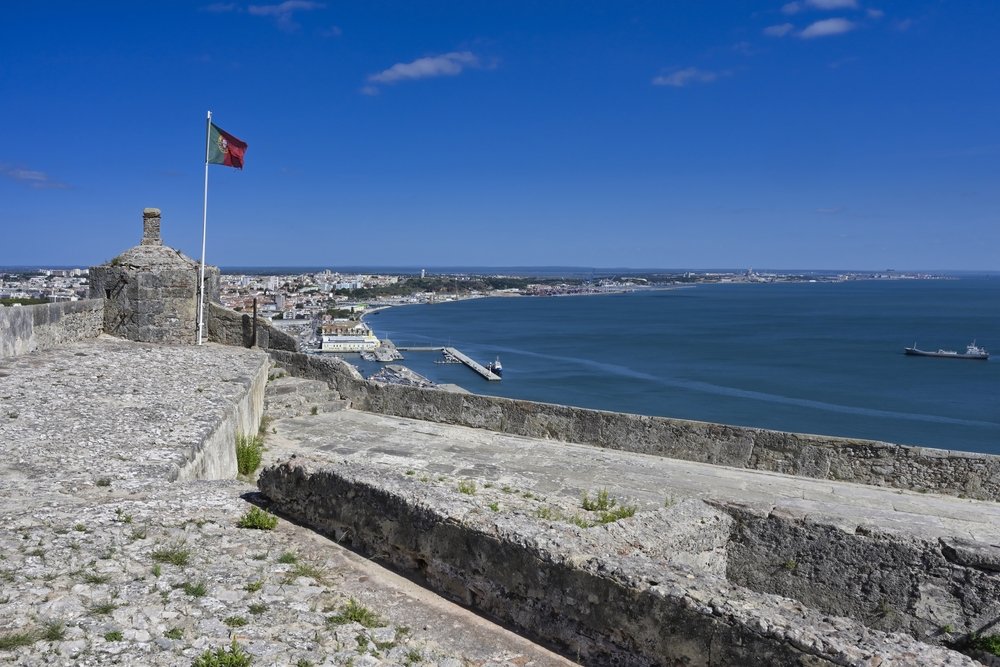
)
(195, 589)
(53, 632)
(257, 608)
(173, 555)
(607, 506)
(254, 586)
(249, 452)
(354, 612)
(113, 636)
(304, 570)
(232, 656)
(288, 558)
(601, 503)
(467, 487)
(174, 633)
(18, 640)
(617, 513)
(103, 608)
(103, 481)
(258, 519)
(236, 621)
(93, 578)
(988, 643)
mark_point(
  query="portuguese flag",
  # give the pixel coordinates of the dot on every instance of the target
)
(224, 148)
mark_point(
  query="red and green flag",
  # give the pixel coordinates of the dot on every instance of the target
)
(224, 148)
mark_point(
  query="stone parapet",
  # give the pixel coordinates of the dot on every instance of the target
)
(25, 329)
(870, 462)
(229, 327)
(637, 592)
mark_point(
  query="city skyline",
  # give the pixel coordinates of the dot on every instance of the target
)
(813, 134)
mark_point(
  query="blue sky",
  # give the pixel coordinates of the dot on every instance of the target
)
(824, 134)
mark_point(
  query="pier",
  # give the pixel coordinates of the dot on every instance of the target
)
(457, 354)
(479, 368)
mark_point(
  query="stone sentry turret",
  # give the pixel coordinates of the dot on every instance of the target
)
(151, 290)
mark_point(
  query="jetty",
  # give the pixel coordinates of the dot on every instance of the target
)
(455, 353)
(473, 364)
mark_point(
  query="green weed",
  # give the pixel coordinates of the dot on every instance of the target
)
(258, 519)
(988, 643)
(195, 589)
(249, 452)
(103, 608)
(602, 502)
(354, 612)
(174, 555)
(467, 487)
(232, 656)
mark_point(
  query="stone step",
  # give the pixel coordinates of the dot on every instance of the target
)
(288, 396)
(293, 385)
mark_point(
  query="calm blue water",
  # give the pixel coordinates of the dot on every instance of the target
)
(811, 357)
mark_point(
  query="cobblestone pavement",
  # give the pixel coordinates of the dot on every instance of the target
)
(103, 561)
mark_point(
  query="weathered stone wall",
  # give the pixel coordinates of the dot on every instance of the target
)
(933, 589)
(861, 461)
(214, 457)
(25, 329)
(148, 306)
(229, 327)
(605, 594)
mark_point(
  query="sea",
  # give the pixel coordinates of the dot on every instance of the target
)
(811, 357)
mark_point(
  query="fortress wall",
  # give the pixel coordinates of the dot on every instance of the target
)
(25, 329)
(870, 462)
(933, 589)
(229, 327)
(215, 456)
(557, 583)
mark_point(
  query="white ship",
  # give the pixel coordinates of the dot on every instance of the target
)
(348, 336)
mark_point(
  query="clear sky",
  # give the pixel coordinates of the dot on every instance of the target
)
(823, 134)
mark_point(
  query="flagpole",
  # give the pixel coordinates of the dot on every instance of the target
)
(204, 230)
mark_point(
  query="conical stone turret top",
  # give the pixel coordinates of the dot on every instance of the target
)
(151, 290)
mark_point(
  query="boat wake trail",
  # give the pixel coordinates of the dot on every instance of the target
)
(720, 390)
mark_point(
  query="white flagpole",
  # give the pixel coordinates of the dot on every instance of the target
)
(204, 230)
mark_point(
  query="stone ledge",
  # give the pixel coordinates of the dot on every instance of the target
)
(604, 593)
(957, 473)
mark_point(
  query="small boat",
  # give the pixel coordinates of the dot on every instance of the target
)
(495, 367)
(972, 351)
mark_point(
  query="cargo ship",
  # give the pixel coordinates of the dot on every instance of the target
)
(972, 351)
